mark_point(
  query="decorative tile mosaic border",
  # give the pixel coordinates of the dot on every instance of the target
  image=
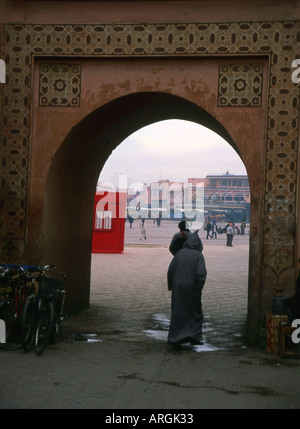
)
(240, 85)
(278, 40)
(59, 85)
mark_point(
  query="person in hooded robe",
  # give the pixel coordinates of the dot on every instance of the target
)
(186, 278)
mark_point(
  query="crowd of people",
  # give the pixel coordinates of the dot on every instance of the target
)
(211, 228)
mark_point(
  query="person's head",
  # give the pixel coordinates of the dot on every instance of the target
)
(194, 242)
(181, 225)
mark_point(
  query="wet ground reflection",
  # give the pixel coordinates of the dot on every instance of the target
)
(216, 335)
(215, 338)
(91, 337)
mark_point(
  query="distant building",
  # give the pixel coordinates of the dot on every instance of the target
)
(222, 197)
(225, 188)
(225, 197)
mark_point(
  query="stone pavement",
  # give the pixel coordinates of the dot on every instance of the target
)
(130, 289)
(131, 294)
(114, 354)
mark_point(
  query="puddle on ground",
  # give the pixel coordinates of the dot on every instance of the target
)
(86, 338)
(206, 348)
(160, 327)
(92, 337)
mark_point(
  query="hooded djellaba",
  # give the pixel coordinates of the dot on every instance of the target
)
(186, 278)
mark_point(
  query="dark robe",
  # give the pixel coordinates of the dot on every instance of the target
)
(293, 303)
(186, 278)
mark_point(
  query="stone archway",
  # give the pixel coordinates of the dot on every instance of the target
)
(69, 192)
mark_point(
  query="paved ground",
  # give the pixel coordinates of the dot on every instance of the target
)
(133, 293)
(114, 355)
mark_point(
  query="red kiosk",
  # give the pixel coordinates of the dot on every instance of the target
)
(109, 222)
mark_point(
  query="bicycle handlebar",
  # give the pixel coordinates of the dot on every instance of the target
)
(10, 270)
(27, 270)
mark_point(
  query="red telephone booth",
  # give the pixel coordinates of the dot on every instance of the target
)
(109, 222)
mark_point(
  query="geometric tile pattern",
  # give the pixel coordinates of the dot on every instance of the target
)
(240, 85)
(59, 85)
(278, 40)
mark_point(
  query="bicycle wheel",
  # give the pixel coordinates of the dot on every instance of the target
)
(11, 312)
(29, 322)
(44, 327)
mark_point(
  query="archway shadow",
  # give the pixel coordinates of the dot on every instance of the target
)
(72, 178)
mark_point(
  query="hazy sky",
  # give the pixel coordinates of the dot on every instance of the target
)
(174, 150)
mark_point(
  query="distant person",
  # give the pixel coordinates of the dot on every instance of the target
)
(143, 230)
(243, 227)
(214, 230)
(208, 229)
(186, 277)
(229, 233)
(179, 238)
(130, 220)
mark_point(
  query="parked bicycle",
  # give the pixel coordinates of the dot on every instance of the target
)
(43, 311)
(29, 314)
(14, 289)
